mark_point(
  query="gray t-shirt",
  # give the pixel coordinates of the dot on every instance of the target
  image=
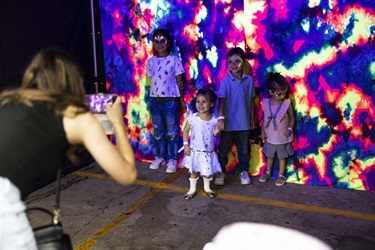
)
(238, 94)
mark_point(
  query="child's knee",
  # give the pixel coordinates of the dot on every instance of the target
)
(171, 136)
(158, 137)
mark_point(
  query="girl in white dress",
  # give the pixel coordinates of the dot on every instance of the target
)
(200, 156)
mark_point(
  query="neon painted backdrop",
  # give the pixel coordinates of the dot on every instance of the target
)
(326, 49)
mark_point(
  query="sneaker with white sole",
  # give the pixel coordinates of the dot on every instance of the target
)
(157, 163)
(245, 179)
(219, 179)
(171, 166)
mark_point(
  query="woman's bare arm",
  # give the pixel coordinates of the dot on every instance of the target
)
(118, 162)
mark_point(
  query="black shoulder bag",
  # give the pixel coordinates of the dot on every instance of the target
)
(52, 236)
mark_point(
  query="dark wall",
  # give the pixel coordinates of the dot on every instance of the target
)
(27, 26)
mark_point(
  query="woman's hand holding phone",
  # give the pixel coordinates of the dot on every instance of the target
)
(115, 112)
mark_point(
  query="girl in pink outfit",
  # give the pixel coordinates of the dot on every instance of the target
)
(277, 127)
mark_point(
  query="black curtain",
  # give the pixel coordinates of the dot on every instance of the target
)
(27, 26)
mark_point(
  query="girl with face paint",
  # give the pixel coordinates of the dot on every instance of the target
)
(277, 127)
(164, 76)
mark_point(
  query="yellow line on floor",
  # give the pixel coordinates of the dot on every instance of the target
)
(248, 199)
(157, 187)
(298, 206)
(90, 242)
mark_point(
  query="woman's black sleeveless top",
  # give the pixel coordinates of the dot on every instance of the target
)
(32, 144)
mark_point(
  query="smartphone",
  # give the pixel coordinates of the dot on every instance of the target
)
(97, 102)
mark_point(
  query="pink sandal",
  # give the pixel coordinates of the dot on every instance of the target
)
(280, 180)
(265, 177)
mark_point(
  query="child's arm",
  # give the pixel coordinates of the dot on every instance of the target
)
(263, 135)
(180, 84)
(263, 132)
(216, 130)
(292, 120)
(252, 125)
(220, 119)
(186, 138)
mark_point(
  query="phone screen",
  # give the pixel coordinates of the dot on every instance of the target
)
(97, 102)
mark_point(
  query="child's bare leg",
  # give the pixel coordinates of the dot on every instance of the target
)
(194, 175)
(265, 176)
(281, 178)
(282, 163)
(269, 164)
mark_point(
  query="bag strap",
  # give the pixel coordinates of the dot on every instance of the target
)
(56, 210)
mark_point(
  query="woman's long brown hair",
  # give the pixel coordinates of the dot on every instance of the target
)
(53, 77)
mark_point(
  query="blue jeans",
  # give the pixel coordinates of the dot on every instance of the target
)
(166, 122)
(241, 139)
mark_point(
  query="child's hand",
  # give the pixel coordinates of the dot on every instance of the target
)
(180, 83)
(220, 124)
(183, 107)
(216, 130)
(252, 124)
(288, 133)
(187, 150)
(264, 137)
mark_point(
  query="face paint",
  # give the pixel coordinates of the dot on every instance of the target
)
(280, 92)
(234, 61)
(160, 40)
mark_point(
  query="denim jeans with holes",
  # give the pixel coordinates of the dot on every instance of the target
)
(166, 122)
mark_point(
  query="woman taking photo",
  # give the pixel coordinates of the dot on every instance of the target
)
(43, 121)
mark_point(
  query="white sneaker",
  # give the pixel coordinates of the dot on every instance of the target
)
(219, 180)
(245, 179)
(157, 163)
(171, 166)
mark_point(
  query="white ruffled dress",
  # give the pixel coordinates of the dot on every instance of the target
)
(203, 157)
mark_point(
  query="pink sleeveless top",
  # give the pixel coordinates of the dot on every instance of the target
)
(276, 127)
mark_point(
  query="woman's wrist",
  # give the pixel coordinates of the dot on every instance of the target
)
(119, 128)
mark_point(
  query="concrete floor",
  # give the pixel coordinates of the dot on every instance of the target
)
(152, 214)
